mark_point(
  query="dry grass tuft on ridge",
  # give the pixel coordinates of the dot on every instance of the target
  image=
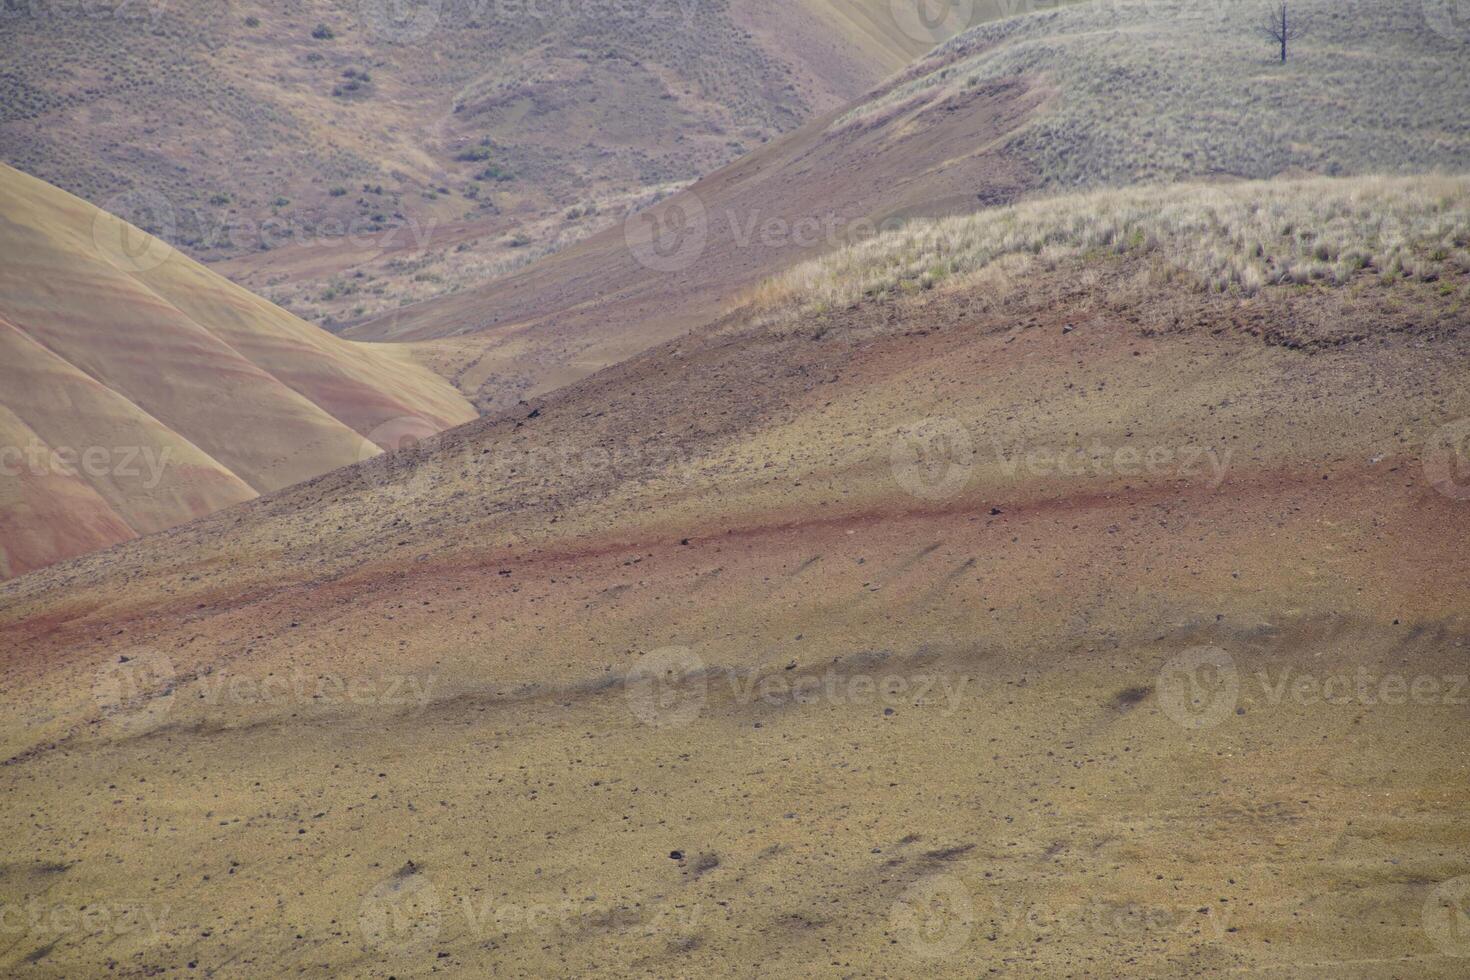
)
(1237, 238)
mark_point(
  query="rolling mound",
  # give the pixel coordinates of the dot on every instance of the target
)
(1061, 615)
(1026, 107)
(140, 390)
(348, 156)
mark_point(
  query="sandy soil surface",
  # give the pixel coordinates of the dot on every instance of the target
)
(1072, 631)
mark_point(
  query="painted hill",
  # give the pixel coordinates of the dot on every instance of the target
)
(350, 156)
(139, 390)
(980, 619)
(1085, 96)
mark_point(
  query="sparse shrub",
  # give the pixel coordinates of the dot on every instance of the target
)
(475, 154)
(322, 32)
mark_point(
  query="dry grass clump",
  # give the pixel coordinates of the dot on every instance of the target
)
(1153, 91)
(1236, 238)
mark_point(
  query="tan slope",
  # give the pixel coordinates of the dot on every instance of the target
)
(587, 107)
(123, 347)
(844, 41)
(46, 513)
(148, 476)
(1089, 95)
(922, 568)
(895, 32)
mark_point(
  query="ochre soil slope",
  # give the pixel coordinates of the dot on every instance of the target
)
(190, 393)
(224, 723)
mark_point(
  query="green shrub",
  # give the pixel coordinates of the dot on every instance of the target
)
(475, 154)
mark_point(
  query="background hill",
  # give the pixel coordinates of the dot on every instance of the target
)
(1089, 96)
(908, 630)
(350, 156)
(139, 390)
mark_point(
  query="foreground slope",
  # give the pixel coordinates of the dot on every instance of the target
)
(1089, 95)
(140, 390)
(1058, 615)
(427, 144)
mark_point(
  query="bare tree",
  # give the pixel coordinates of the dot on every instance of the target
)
(1281, 28)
